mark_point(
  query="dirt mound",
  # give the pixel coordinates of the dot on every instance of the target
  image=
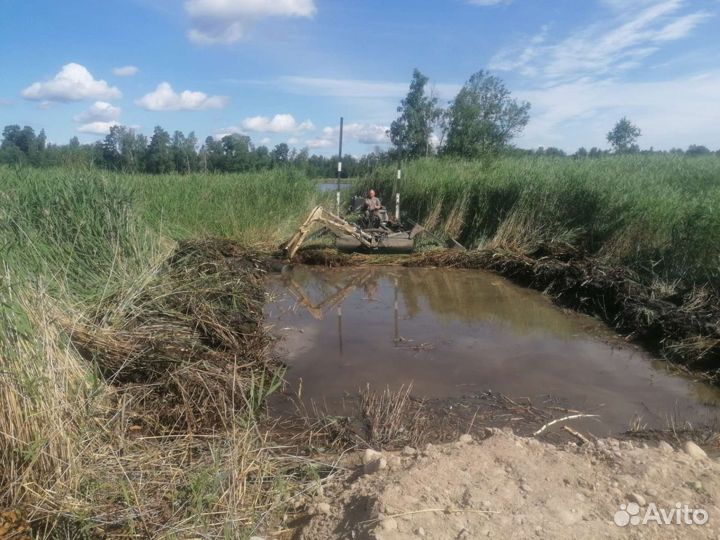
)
(507, 486)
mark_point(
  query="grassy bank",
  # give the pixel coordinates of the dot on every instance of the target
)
(657, 215)
(133, 361)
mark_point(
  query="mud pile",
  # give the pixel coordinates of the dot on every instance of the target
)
(507, 486)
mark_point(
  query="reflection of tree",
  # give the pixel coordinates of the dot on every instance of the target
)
(472, 296)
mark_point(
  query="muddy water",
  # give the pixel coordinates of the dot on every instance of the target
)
(462, 332)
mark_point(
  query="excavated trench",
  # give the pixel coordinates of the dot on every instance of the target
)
(456, 334)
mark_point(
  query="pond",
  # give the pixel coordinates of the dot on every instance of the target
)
(453, 333)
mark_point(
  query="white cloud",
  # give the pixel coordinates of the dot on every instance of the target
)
(265, 141)
(97, 128)
(227, 21)
(73, 83)
(363, 133)
(100, 111)
(671, 113)
(164, 98)
(318, 143)
(368, 133)
(231, 130)
(636, 31)
(374, 100)
(356, 88)
(125, 71)
(280, 123)
(293, 141)
(5, 102)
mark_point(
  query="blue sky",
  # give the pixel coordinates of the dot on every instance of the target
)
(286, 70)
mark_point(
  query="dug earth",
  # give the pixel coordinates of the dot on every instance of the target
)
(506, 486)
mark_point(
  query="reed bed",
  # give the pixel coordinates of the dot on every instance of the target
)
(657, 215)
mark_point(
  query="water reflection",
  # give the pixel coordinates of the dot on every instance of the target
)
(456, 295)
(454, 332)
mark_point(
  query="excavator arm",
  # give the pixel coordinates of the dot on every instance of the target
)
(320, 217)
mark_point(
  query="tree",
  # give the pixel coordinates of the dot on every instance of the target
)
(184, 151)
(411, 133)
(281, 153)
(133, 147)
(238, 151)
(623, 136)
(123, 149)
(158, 158)
(551, 151)
(212, 154)
(263, 160)
(483, 118)
(695, 150)
(111, 147)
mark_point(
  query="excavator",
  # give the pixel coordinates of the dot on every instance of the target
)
(372, 233)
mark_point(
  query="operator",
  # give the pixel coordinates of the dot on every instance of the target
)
(372, 203)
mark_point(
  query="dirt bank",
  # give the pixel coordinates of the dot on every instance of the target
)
(506, 486)
(682, 325)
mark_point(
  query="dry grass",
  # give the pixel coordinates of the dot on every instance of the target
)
(392, 417)
(44, 387)
(156, 436)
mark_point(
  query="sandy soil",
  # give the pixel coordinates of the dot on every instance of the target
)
(506, 486)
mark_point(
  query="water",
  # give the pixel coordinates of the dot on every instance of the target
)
(326, 187)
(462, 332)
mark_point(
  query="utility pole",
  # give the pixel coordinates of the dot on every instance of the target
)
(397, 189)
(339, 167)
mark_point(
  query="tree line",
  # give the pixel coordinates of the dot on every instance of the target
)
(123, 149)
(480, 122)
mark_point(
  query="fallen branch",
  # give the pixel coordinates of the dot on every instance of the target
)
(571, 417)
(580, 436)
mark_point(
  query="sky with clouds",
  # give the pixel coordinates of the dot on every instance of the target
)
(286, 70)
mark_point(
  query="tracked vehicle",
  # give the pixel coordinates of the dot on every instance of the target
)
(370, 233)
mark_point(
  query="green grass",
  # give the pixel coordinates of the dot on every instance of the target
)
(88, 229)
(659, 215)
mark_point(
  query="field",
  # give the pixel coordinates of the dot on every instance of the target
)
(134, 362)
